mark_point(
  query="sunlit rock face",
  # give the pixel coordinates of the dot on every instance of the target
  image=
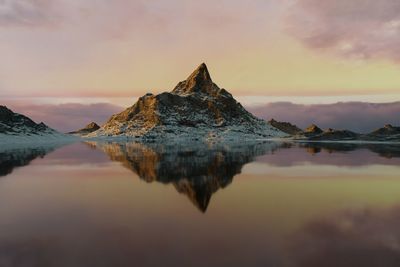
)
(197, 170)
(90, 128)
(195, 109)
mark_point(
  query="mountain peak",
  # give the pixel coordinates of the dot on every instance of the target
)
(198, 82)
(200, 74)
(313, 129)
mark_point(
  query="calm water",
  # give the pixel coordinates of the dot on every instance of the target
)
(258, 204)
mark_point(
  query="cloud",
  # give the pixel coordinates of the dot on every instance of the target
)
(25, 12)
(356, 29)
(356, 116)
(67, 117)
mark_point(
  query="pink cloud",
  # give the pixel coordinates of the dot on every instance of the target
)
(357, 28)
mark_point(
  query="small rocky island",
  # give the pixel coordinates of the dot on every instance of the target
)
(388, 133)
(90, 128)
(195, 109)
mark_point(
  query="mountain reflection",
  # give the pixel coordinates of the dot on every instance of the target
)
(197, 170)
(11, 158)
(333, 154)
(383, 150)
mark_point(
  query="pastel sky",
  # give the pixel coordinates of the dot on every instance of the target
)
(119, 48)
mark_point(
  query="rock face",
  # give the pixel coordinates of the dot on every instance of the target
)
(286, 127)
(90, 128)
(17, 126)
(196, 109)
(313, 130)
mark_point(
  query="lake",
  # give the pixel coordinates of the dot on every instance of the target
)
(197, 204)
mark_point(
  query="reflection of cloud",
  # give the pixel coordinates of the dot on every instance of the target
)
(356, 28)
(355, 116)
(366, 238)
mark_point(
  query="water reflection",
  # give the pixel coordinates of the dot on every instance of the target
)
(79, 208)
(197, 170)
(333, 154)
(367, 237)
(13, 157)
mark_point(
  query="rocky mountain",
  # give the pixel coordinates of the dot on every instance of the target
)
(286, 127)
(17, 127)
(90, 128)
(195, 109)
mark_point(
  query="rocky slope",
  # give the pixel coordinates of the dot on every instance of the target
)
(286, 127)
(90, 128)
(196, 109)
(15, 127)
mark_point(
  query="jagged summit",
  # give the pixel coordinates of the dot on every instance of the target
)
(198, 82)
(196, 109)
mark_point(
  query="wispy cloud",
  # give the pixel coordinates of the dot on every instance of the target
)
(25, 12)
(357, 28)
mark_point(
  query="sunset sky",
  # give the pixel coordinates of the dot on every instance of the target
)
(86, 50)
